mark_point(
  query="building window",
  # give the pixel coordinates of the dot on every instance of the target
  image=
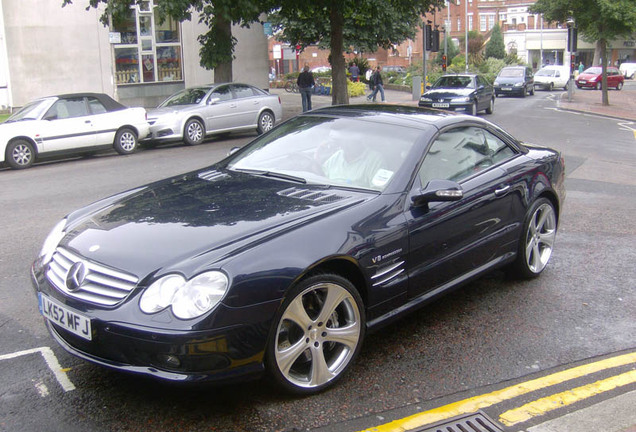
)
(502, 16)
(491, 21)
(459, 24)
(482, 23)
(470, 22)
(149, 50)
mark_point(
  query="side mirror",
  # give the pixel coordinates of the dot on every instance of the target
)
(481, 87)
(437, 191)
(213, 101)
(428, 87)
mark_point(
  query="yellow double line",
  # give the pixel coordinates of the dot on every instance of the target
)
(526, 412)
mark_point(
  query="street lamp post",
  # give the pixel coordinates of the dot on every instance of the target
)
(466, 30)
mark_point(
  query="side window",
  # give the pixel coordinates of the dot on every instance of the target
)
(243, 91)
(222, 93)
(462, 152)
(96, 106)
(67, 108)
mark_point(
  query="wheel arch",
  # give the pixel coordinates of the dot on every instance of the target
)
(16, 138)
(341, 266)
(551, 196)
(127, 126)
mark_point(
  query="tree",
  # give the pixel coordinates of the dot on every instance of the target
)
(218, 44)
(340, 25)
(495, 46)
(596, 20)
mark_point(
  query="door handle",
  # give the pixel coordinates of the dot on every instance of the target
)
(87, 121)
(502, 191)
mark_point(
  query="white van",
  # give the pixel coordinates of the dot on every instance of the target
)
(628, 70)
(549, 77)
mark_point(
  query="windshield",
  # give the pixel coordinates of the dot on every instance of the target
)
(510, 73)
(191, 96)
(454, 82)
(31, 111)
(594, 71)
(545, 72)
(345, 152)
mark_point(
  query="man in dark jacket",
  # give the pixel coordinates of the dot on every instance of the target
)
(305, 86)
(376, 79)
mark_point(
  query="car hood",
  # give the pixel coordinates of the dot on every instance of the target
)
(588, 76)
(171, 110)
(211, 214)
(445, 92)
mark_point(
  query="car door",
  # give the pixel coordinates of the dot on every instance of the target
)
(105, 123)
(529, 80)
(220, 109)
(453, 240)
(248, 105)
(484, 92)
(67, 126)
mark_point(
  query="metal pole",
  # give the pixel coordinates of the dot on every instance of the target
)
(424, 53)
(466, 30)
(541, 46)
(447, 30)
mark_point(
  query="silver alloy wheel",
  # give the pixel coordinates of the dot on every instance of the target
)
(265, 122)
(317, 335)
(194, 132)
(540, 238)
(22, 154)
(128, 141)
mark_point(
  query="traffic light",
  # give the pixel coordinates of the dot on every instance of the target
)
(444, 63)
(572, 37)
(435, 41)
(428, 37)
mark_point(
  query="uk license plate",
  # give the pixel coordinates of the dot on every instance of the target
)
(65, 317)
(506, 88)
(583, 82)
(440, 105)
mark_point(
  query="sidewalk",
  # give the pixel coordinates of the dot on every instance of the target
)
(622, 103)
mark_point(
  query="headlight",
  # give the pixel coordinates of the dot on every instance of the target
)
(496, 84)
(461, 99)
(51, 242)
(519, 84)
(188, 299)
(426, 99)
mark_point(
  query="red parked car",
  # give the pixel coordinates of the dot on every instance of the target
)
(591, 78)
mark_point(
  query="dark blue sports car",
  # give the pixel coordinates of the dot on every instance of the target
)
(282, 256)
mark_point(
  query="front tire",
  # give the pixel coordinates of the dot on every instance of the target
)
(318, 333)
(20, 154)
(537, 241)
(619, 86)
(491, 106)
(473, 109)
(125, 141)
(265, 122)
(193, 132)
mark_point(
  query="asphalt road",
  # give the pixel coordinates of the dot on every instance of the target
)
(491, 333)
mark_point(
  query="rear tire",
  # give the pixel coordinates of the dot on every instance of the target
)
(265, 122)
(491, 106)
(537, 240)
(125, 141)
(20, 154)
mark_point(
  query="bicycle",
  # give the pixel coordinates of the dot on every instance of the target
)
(291, 87)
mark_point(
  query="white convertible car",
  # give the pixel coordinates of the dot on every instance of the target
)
(70, 124)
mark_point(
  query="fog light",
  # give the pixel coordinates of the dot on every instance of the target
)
(170, 360)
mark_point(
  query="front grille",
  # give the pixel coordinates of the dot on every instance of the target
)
(102, 285)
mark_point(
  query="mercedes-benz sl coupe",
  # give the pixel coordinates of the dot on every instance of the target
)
(282, 256)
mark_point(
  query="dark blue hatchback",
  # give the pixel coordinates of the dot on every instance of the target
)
(282, 256)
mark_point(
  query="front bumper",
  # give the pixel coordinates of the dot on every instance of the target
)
(587, 84)
(221, 354)
(447, 106)
(509, 90)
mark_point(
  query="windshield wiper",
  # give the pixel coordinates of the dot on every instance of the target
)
(273, 174)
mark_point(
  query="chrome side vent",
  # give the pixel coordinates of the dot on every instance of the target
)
(87, 280)
(212, 175)
(387, 273)
(310, 195)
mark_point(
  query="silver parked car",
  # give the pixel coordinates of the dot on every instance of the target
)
(193, 113)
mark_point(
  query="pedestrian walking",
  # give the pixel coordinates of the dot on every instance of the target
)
(305, 87)
(378, 85)
(354, 70)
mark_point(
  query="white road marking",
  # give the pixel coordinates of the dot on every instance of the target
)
(42, 389)
(51, 361)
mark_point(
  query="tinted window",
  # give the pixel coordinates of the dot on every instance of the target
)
(462, 152)
(243, 91)
(67, 108)
(96, 106)
(222, 93)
